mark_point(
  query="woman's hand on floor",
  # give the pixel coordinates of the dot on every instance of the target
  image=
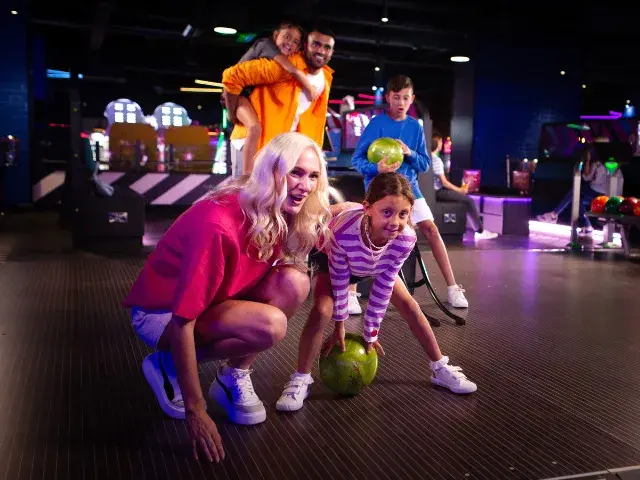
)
(204, 435)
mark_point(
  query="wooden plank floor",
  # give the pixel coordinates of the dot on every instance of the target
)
(552, 340)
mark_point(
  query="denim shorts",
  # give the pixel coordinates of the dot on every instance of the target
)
(149, 326)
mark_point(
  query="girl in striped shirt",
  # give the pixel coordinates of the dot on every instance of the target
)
(369, 241)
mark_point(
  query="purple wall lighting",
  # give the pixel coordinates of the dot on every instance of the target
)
(612, 116)
(501, 199)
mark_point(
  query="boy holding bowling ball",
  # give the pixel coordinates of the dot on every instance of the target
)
(395, 123)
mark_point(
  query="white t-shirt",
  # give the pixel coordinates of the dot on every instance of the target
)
(597, 178)
(317, 80)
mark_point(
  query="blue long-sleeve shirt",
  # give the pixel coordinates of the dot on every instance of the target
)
(407, 130)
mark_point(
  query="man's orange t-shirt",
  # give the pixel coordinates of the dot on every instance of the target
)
(275, 98)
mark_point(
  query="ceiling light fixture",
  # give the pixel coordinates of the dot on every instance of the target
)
(377, 69)
(201, 90)
(225, 30)
(459, 59)
(207, 82)
(384, 19)
(14, 12)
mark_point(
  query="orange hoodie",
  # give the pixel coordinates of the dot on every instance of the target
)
(275, 98)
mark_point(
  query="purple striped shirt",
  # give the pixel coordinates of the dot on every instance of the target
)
(350, 255)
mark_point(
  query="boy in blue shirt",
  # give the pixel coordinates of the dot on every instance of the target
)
(395, 123)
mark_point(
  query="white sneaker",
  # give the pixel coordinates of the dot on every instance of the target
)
(549, 217)
(456, 297)
(160, 372)
(451, 377)
(295, 393)
(485, 235)
(233, 391)
(353, 305)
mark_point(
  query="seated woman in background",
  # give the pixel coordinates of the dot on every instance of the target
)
(448, 192)
(595, 184)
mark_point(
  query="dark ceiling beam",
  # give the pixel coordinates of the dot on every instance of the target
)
(405, 27)
(101, 18)
(387, 43)
(134, 31)
(421, 6)
(356, 57)
(171, 34)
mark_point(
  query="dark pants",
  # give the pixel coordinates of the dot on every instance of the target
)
(587, 194)
(320, 263)
(446, 195)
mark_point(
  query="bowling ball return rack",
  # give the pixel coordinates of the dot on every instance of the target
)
(625, 222)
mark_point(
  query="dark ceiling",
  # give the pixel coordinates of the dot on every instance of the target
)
(141, 44)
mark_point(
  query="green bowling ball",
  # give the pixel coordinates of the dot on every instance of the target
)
(613, 205)
(347, 373)
(385, 147)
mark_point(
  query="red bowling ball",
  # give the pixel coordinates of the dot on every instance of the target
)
(636, 210)
(598, 203)
(627, 205)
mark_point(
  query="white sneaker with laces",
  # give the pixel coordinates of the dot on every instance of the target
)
(451, 377)
(232, 389)
(353, 305)
(456, 297)
(160, 372)
(549, 217)
(485, 235)
(296, 391)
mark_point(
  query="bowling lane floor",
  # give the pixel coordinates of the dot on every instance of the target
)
(552, 340)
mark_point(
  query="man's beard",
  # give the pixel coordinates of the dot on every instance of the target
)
(315, 62)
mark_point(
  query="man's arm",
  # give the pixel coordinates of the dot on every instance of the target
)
(450, 186)
(437, 166)
(255, 72)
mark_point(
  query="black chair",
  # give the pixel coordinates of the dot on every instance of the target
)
(449, 217)
(101, 217)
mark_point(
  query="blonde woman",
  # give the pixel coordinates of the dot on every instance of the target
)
(224, 280)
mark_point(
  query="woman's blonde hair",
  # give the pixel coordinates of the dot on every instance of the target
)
(262, 194)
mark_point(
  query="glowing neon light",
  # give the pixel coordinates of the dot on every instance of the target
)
(578, 127)
(357, 102)
(612, 116)
(611, 166)
(563, 231)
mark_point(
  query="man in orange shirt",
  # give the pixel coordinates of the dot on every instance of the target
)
(278, 99)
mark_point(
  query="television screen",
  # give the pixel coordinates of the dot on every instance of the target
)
(353, 124)
(355, 121)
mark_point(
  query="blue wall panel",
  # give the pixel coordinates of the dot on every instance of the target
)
(515, 93)
(14, 101)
